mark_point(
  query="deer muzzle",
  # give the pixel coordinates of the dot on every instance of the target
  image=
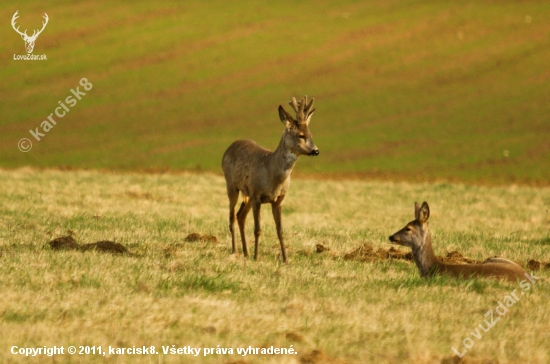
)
(314, 153)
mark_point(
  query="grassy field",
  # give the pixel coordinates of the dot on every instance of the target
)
(173, 292)
(408, 90)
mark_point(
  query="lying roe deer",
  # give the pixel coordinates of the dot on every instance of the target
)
(416, 235)
(262, 176)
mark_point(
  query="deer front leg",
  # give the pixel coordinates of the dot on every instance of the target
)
(277, 209)
(256, 205)
(241, 219)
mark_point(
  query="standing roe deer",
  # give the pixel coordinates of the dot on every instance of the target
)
(416, 235)
(263, 176)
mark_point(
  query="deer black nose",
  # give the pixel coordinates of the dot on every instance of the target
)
(314, 152)
(392, 238)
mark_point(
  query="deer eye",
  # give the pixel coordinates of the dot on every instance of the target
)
(302, 136)
(407, 228)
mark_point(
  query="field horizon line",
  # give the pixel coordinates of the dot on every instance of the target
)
(365, 176)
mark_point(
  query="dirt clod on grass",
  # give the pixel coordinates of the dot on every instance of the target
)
(64, 243)
(319, 357)
(319, 248)
(196, 237)
(368, 254)
(457, 360)
(394, 253)
(455, 257)
(106, 246)
(294, 336)
(537, 265)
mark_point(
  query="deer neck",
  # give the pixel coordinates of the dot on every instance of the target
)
(424, 256)
(283, 160)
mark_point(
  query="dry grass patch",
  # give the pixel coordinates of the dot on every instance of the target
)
(330, 309)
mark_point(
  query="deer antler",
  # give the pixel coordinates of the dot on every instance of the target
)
(309, 108)
(294, 105)
(43, 26)
(36, 33)
(302, 108)
(13, 19)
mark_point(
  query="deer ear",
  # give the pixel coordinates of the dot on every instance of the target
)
(424, 212)
(416, 210)
(285, 117)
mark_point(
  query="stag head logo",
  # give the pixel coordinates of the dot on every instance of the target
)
(29, 40)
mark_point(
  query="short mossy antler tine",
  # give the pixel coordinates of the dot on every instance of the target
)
(302, 108)
(262, 176)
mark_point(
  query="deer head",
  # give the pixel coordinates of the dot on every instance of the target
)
(297, 137)
(414, 233)
(29, 40)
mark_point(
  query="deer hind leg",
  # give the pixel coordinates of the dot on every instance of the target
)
(233, 198)
(277, 208)
(241, 219)
(256, 206)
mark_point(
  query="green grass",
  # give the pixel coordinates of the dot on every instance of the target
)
(174, 292)
(413, 90)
